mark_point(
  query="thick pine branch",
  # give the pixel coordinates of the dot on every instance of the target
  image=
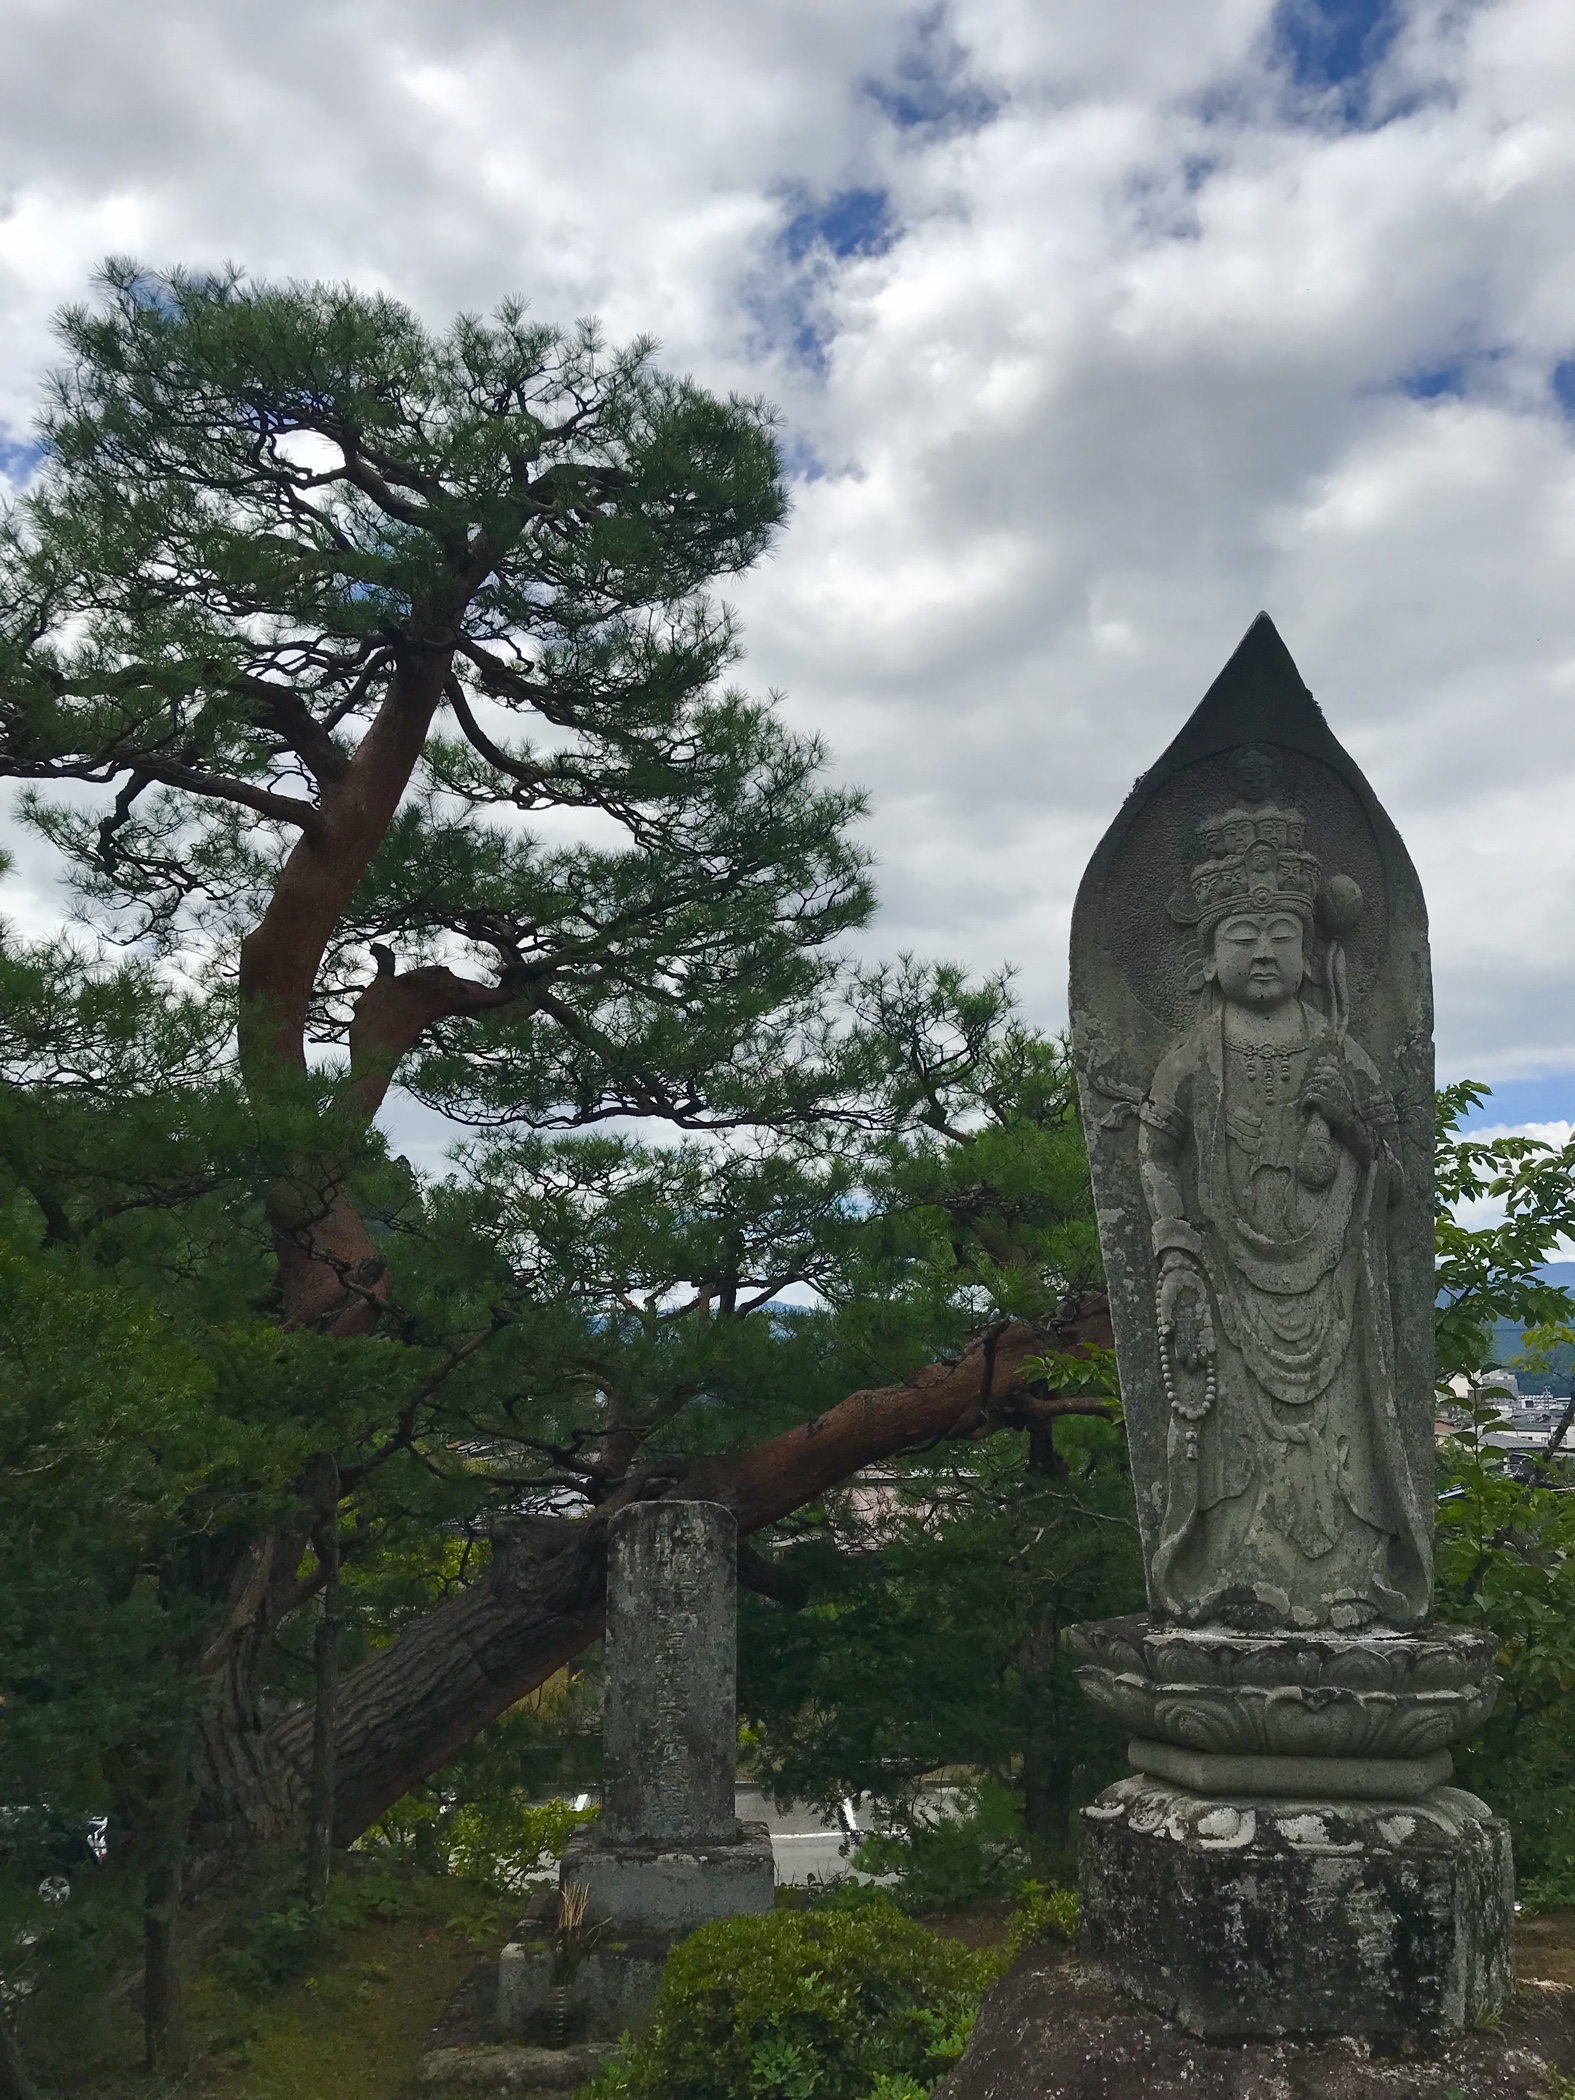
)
(410, 1708)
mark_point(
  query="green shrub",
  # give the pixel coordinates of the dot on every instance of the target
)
(946, 1861)
(838, 2005)
(1554, 1890)
(278, 1945)
(1041, 1914)
(499, 1839)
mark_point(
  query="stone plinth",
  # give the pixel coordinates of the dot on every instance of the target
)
(1294, 1778)
(603, 1996)
(494, 2071)
(671, 1888)
(642, 1901)
(1370, 1695)
(1283, 1917)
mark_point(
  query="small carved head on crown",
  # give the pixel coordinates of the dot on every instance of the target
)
(1256, 862)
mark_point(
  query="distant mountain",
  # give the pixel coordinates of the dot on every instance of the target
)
(1509, 1340)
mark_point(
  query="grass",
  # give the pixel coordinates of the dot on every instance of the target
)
(350, 2027)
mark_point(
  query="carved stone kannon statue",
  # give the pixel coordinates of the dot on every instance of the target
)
(1252, 1021)
(1269, 1156)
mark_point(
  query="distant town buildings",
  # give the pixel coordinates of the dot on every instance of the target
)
(1528, 1421)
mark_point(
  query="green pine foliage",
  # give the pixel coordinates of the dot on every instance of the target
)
(258, 505)
(933, 1640)
(713, 1175)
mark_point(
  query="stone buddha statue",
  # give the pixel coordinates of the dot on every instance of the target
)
(1268, 1161)
(1255, 1077)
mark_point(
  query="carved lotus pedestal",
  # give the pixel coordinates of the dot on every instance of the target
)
(1289, 1859)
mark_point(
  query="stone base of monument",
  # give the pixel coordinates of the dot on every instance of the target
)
(642, 1899)
(609, 1990)
(1276, 1916)
(672, 1888)
(1289, 1859)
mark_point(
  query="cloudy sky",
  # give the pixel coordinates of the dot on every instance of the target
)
(1096, 325)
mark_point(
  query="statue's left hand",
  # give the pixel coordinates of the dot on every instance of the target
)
(1184, 1315)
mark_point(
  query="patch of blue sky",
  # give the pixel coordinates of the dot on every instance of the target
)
(1436, 382)
(787, 299)
(848, 222)
(1548, 1098)
(1451, 377)
(1331, 42)
(929, 88)
(799, 457)
(19, 458)
(1563, 384)
(1330, 50)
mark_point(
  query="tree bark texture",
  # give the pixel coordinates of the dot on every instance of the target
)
(330, 1270)
(320, 1812)
(403, 1713)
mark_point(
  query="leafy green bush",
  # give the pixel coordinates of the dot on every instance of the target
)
(499, 1839)
(841, 2005)
(944, 1861)
(1041, 1914)
(281, 1944)
(1506, 1559)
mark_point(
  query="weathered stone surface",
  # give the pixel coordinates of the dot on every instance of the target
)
(669, 1721)
(493, 2068)
(1048, 2031)
(672, 1888)
(1255, 1070)
(1323, 1694)
(1293, 1778)
(1255, 1067)
(668, 1852)
(1299, 1918)
(609, 1989)
(642, 1900)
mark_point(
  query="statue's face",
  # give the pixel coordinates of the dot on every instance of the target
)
(1258, 959)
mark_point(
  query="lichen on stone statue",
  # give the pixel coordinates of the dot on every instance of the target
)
(1268, 1158)
(1255, 1070)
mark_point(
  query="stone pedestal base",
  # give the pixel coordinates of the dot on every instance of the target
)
(610, 1989)
(1049, 2031)
(670, 1888)
(1281, 1917)
(642, 1899)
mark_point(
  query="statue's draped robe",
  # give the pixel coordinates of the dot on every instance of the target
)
(1298, 1508)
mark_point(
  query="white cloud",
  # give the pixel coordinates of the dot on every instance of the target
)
(1159, 338)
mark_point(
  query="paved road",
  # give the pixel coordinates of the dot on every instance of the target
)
(804, 1843)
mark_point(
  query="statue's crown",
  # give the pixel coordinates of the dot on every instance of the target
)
(1256, 862)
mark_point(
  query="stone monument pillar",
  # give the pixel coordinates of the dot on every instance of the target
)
(1252, 1022)
(668, 1852)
